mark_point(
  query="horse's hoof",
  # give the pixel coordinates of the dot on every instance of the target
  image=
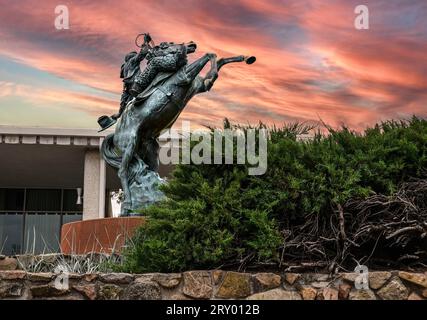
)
(250, 60)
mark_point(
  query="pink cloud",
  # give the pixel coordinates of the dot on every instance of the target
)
(311, 61)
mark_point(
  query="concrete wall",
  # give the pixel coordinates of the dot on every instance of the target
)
(60, 158)
(94, 186)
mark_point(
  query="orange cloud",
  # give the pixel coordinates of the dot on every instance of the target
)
(312, 62)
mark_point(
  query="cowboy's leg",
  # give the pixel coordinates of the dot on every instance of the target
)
(123, 102)
(143, 79)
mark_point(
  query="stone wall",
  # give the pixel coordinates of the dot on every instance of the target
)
(217, 284)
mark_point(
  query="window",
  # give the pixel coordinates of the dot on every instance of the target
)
(42, 232)
(31, 219)
(70, 201)
(11, 199)
(43, 200)
(11, 225)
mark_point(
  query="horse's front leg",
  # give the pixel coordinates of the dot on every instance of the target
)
(205, 83)
(224, 61)
(210, 78)
(193, 69)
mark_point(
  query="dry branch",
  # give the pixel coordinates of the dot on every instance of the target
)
(379, 230)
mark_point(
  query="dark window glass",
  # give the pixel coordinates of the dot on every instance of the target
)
(42, 233)
(43, 200)
(43, 207)
(11, 199)
(70, 201)
(67, 218)
(10, 233)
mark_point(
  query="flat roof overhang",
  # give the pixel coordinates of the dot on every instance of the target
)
(46, 166)
(50, 158)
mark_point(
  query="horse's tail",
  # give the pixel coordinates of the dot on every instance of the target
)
(110, 153)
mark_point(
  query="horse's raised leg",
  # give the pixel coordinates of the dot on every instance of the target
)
(224, 61)
(193, 69)
(212, 75)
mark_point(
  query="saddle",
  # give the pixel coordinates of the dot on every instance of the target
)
(158, 80)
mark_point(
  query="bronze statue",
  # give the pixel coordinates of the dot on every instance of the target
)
(133, 148)
(166, 57)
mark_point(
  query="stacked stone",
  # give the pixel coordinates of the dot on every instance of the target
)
(216, 284)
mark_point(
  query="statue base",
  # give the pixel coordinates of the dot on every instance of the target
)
(106, 235)
(145, 192)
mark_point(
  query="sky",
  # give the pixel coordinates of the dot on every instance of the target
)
(312, 63)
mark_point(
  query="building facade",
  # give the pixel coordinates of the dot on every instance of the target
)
(49, 177)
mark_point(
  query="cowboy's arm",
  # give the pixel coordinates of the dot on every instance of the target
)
(142, 53)
(144, 49)
(135, 60)
(140, 56)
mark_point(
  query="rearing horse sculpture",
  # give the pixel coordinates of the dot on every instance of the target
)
(133, 148)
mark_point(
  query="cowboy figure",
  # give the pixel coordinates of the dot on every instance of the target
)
(129, 69)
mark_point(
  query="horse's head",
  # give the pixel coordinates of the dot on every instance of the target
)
(190, 46)
(168, 47)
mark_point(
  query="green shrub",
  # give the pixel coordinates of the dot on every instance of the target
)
(219, 216)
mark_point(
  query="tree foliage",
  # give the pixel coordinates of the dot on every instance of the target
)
(299, 212)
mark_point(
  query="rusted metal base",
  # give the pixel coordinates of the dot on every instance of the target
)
(106, 235)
